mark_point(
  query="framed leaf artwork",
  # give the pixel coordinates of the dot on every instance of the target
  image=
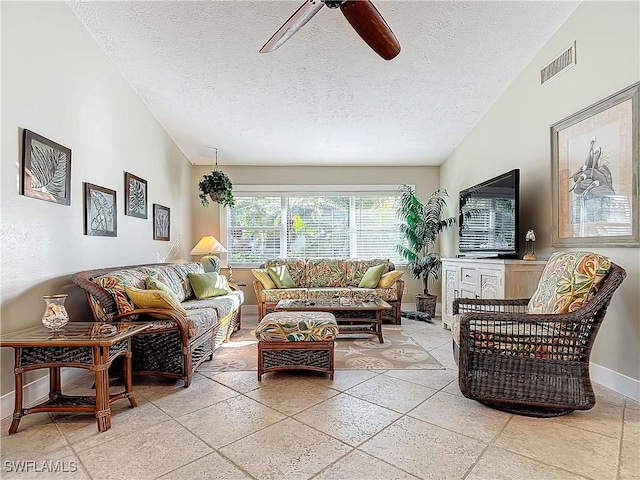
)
(161, 222)
(135, 196)
(100, 211)
(46, 169)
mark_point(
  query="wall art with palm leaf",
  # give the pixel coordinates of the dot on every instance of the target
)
(100, 211)
(161, 222)
(135, 196)
(46, 169)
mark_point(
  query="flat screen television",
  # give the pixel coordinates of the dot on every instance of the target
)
(488, 221)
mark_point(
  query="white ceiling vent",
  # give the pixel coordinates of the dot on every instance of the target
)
(558, 65)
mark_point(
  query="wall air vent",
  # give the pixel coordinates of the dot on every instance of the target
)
(558, 65)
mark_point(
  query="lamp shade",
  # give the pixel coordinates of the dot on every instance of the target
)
(207, 245)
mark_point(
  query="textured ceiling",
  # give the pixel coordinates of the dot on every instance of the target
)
(324, 97)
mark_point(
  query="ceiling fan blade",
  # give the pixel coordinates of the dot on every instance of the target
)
(367, 21)
(308, 9)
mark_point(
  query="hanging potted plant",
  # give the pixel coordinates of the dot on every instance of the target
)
(421, 225)
(217, 187)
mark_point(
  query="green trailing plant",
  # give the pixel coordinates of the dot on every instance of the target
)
(420, 225)
(217, 187)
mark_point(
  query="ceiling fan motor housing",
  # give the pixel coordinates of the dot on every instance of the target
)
(334, 3)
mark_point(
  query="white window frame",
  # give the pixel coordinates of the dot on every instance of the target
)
(286, 190)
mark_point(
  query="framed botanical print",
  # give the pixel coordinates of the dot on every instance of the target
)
(595, 174)
(100, 211)
(161, 222)
(135, 196)
(46, 169)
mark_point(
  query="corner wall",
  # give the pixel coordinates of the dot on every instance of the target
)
(57, 82)
(515, 133)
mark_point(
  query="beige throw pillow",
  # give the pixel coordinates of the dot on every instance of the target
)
(262, 275)
(389, 279)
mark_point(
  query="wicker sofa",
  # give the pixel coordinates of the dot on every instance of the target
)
(320, 278)
(176, 344)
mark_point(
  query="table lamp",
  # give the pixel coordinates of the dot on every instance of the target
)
(205, 247)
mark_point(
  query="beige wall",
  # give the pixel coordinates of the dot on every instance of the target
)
(515, 134)
(57, 82)
(206, 219)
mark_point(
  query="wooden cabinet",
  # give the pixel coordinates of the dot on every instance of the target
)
(486, 278)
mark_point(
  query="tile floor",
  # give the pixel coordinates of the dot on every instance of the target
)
(372, 425)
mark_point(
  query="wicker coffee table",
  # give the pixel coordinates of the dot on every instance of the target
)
(355, 318)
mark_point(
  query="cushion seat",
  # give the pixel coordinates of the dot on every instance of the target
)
(297, 327)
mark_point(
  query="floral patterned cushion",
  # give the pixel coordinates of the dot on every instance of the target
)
(198, 321)
(297, 327)
(357, 268)
(328, 272)
(328, 293)
(295, 266)
(114, 283)
(539, 340)
(386, 294)
(276, 294)
(223, 305)
(567, 281)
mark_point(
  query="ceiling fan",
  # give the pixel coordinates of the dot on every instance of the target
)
(361, 14)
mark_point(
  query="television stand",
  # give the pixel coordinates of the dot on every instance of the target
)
(486, 278)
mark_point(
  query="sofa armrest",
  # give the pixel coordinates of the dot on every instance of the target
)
(177, 317)
(400, 290)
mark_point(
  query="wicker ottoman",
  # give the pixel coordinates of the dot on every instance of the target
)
(296, 340)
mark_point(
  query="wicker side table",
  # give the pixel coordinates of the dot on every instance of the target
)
(79, 345)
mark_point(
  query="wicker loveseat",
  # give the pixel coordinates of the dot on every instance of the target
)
(176, 344)
(514, 357)
(320, 278)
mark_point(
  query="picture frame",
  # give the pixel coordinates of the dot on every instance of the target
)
(46, 169)
(135, 196)
(161, 222)
(595, 174)
(100, 211)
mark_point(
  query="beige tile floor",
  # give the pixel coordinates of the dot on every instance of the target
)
(370, 425)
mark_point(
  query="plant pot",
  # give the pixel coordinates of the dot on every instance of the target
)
(426, 304)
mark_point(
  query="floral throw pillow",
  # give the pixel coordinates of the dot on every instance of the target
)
(567, 281)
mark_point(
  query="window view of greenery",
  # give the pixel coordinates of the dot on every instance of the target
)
(312, 226)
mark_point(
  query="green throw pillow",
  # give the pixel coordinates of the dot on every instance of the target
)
(152, 283)
(210, 284)
(281, 277)
(372, 276)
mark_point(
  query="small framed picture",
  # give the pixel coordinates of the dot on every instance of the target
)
(161, 222)
(100, 211)
(135, 196)
(46, 169)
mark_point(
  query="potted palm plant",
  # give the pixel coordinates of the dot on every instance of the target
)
(420, 225)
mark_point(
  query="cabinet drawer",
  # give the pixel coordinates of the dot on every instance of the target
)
(468, 275)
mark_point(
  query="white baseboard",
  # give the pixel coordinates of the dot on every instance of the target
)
(627, 386)
(37, 391)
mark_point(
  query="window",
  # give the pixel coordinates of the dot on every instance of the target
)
(345, 224)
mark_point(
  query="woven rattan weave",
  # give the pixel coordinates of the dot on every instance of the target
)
(531, 364)
(166, 352)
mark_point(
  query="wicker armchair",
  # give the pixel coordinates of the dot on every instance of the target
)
(530, 364)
